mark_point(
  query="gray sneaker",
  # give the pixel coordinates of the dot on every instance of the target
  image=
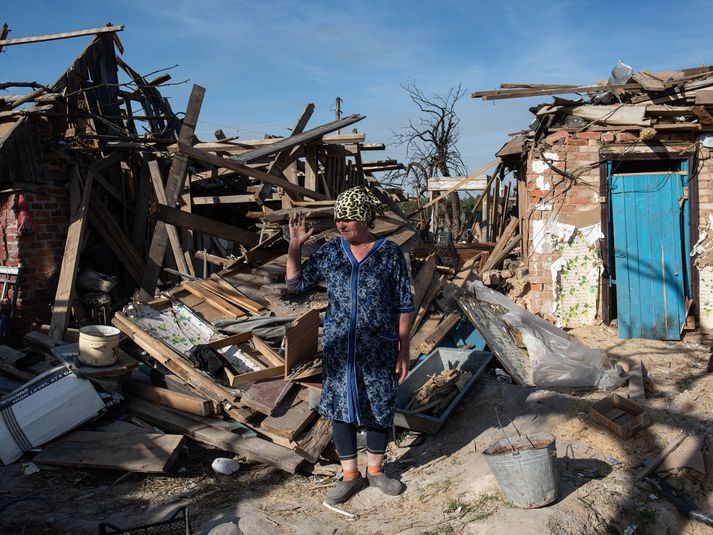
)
(345, 490)
(386, 484)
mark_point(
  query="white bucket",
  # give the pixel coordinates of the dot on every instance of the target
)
(98, 345)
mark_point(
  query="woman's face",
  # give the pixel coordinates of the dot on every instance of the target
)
(351, 229)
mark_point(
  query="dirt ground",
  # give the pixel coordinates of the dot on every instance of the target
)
(450, 489)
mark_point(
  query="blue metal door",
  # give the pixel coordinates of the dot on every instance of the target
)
(649, 215)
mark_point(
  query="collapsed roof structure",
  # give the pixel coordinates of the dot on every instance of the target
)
(615, 200)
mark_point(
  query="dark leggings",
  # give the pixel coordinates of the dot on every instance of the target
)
(346, 443)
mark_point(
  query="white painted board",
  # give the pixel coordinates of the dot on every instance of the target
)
(445, 183)
(46, 407)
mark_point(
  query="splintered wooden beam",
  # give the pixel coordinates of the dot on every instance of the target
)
(213, 300)
(174, 183)
(298, 139)
(168, 398)
(56, 36)
(157, 182)
(200, 223)
(205, 430)
(501, 245)
(565, 90)
(234, 165)
(70, 263)
(282, 159)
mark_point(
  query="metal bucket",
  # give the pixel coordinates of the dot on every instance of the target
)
(525, 469)
(98, 345)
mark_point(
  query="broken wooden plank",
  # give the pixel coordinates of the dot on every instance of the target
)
(440, 332)
(133, 452)
(234, 165)
(423, 279)
(648, 81)
(213, 299)
(176, 400)
(157, 183)
(201, 429)
(174, 183)
(224, 199)
(290, 418)
(495, 256)
(427, 327)
(206, 225)
(283, 158)
(231, 340)
(656, 461)
(56, 36)
(298, 139)
(704, 97)
(229, 293)
(70, 264)
(636, 381)
(265, 397)
(251, 377)
(266, 351)
(301, 339)
(433, 290)
(563, 90)
(312, 444)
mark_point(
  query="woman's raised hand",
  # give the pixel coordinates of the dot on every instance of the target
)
(298, 228)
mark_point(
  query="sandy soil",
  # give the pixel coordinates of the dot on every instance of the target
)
(450, 488)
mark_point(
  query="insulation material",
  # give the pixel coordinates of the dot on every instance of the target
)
(576, 275)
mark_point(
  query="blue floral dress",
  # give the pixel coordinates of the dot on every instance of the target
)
(361, 335)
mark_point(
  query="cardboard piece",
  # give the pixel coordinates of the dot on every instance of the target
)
(46, 407)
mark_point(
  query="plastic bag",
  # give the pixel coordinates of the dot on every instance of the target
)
(556, 358)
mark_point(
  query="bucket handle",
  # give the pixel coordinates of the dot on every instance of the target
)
(497, 415)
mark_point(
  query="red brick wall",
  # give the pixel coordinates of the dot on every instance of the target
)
(564, 199)
(38, 250)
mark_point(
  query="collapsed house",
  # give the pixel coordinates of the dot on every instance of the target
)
(614, 201)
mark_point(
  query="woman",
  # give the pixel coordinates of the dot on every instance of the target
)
(366, 333)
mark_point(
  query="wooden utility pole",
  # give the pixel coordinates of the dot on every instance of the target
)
(338, 109)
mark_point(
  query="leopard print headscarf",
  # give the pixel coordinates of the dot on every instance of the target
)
(358, 204)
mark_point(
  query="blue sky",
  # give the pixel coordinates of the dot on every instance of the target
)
(261, 62)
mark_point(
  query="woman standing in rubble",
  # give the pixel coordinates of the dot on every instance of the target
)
(366, 333)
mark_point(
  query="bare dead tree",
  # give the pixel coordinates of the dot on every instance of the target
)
(432, 144)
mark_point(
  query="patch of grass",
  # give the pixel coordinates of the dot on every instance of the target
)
(484, 506)
(453, 505)
(437, 487)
